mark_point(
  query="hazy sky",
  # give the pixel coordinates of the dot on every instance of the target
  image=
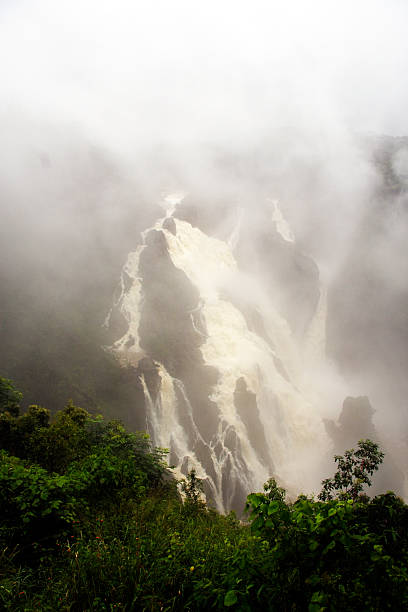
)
(151, 80)
(132, 72)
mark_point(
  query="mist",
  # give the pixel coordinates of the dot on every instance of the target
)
(166, 90)
(106, 106)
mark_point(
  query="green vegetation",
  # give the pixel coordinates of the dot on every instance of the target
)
(91, 519)
(353, 472)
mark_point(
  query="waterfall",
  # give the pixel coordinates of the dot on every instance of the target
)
(129, 305)
(272, 373)
(281, 224)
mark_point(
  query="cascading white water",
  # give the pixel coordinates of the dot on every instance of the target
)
(129, 304)
(163, 424)
(287, 396)
(291, 423)
(282, 226)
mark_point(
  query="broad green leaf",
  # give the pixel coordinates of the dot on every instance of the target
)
(230, 599)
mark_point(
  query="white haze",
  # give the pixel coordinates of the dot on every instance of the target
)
(163, 82)
(163, 88)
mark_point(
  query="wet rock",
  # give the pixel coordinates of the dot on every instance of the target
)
(169, 224)
(184, 469)
(198, 213)
(233, 492)
(291, 278)
(127, 280)
(247, 408)
(231, 440)
(130, 342)
(150, 372)
(280, 368)
(202, 450)
(355, 422)
(167, 332)
(118, 325)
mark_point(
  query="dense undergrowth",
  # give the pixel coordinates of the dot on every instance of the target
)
(91, 519)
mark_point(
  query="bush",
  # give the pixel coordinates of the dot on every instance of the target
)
(91, 520)
(35, 507)
(344, 553)
(10, 398)
(354, 469)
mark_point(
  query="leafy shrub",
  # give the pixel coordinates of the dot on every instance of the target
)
(10, 398)
(344, 553)
(193, 488)
(35, 506)
(91, 520)
(354, 469)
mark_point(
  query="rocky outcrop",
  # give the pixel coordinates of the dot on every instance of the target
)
(247, 408)
(170, 225)
(148, 369)
(167, 332)
(290, 277)
(355, 423)
(367, 330)
(204, 215)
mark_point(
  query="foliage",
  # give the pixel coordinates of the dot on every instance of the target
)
(343, 553)
(10, 398)
(354, 469)
(337, 554)
(192, 487)
(35, 505)
(91, 520)
(268, 509)
(53, 473)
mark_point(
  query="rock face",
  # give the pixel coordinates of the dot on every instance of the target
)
(221, 372)
(367, 330)
(167, 331)
(355, 423)
(170, 225)
(287, 273)
(247, 409)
